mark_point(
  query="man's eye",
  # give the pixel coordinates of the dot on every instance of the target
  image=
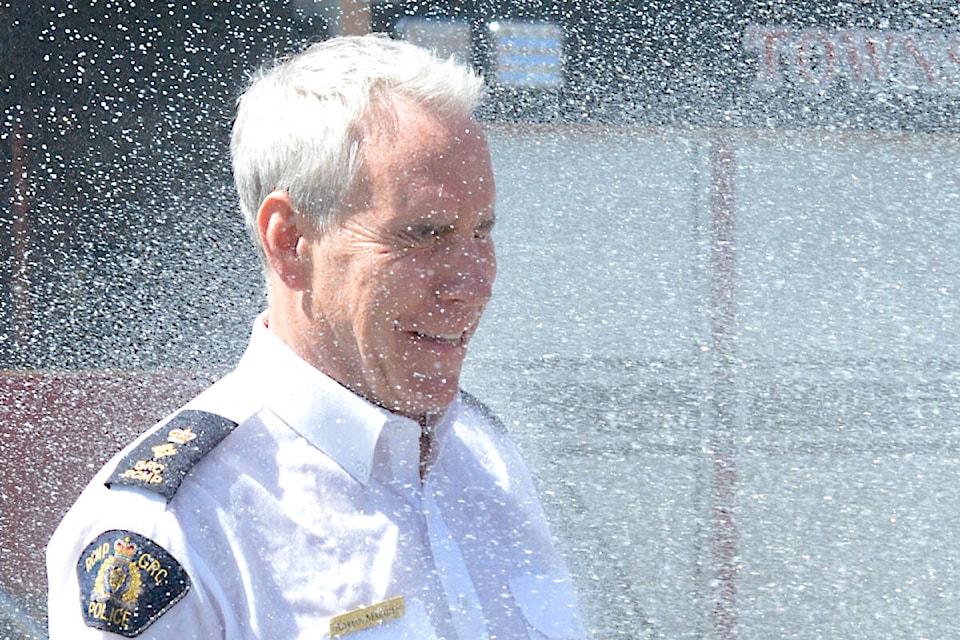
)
(423, 235)
(485, 228)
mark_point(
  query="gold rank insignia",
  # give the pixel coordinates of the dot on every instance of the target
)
(127, 581)
(181, 436)
(163, 459)
(375, 614)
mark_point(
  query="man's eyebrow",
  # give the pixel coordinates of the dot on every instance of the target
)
(428, 223)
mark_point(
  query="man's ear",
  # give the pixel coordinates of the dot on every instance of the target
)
(284, 235)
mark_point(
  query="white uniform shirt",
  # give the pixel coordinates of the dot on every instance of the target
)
(314, 507)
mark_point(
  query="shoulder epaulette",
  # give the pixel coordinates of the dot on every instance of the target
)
(477, 405)
(161, 462)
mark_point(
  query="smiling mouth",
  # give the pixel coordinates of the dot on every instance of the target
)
(451, 339)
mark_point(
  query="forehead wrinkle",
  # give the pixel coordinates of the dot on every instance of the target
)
(415, 153)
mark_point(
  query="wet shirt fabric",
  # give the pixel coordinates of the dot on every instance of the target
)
(309, 519)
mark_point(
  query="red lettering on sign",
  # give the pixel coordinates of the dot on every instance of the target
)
(927, 61)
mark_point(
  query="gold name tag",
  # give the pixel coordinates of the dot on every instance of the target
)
(371, 616)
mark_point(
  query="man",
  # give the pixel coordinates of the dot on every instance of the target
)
(337, 482)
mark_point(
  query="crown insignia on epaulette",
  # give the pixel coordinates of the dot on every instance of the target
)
(181, 436)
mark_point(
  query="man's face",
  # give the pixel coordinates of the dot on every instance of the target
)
(398, 289)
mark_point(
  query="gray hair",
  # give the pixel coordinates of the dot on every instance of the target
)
(299, 124)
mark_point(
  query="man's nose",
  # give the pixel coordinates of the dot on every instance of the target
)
(469, 273)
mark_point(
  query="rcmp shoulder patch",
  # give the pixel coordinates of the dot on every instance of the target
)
(127, 581)
(162, 460)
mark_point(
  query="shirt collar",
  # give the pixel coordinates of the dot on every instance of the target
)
(328, 415)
